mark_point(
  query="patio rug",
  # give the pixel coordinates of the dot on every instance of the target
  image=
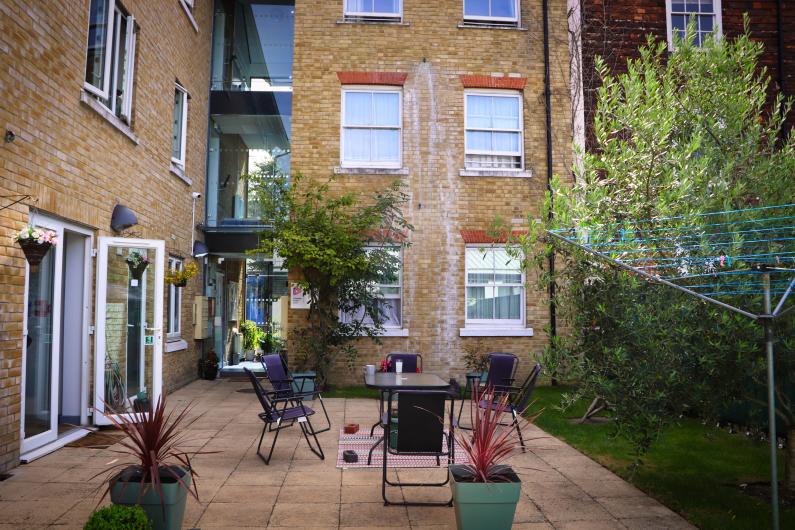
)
(361, 442)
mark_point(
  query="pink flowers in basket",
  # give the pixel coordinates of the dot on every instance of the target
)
(36, 235)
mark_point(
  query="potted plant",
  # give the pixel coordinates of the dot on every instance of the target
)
(209, 366)
(35, 243)
(476, 359)
(162, 476)
(251, 338)
(137, 263)
(180, 277)
(486, 491)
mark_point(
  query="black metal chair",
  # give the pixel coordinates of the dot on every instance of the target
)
(282, 382)
(412, 362)
(500, 377)
(292, 410)
(518, 401)
(420, 431)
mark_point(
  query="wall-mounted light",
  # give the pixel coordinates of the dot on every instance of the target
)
(200, 249)
(122, 218)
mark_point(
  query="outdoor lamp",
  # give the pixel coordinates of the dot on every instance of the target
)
(122, 218)
(200, 249)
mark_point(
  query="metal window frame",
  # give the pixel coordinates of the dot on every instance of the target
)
(109, 32)
(174, 301)
(493, 323)
(371, 89)
(183, 131)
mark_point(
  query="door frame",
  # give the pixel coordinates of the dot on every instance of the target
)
(59, 226)
(103, 244)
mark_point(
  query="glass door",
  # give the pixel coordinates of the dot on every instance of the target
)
(41, 351)
(129, 333)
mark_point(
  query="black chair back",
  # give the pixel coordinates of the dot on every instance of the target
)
(421, 421)
(526, 392)
(502, 369)
(412, 362)
(276, 372)
(267, 407)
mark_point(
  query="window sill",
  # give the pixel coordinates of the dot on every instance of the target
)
(180, 173)
(189, 13)
(173, 345)
(487, 25)
(495, 173)
(391, 332)
(373, 21)
(495, 332)
(342, 170)
(89, 101)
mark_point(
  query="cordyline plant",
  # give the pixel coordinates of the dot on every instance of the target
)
(153, 439)
(491, 442)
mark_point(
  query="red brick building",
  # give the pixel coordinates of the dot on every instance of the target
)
(615, 29)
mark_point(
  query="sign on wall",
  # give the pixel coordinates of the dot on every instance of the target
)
(298, 298)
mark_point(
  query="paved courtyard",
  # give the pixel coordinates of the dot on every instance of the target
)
(561, 488)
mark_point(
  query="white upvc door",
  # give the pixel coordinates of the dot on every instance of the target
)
(128, 353)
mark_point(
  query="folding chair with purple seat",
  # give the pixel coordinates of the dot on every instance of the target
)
(500, 377)
(518, 401)
(412, 362)
(282, 382)
(292, 410)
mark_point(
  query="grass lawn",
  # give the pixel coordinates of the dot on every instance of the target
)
(694, 469)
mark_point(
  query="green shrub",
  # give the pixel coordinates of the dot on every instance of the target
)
(118, 517)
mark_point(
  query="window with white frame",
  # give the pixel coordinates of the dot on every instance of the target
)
(390, 292)
(180, 126)
(502, 12)
(110, 56)
(384, 10)
(174, 316)
(494, 288)
(494, 135)
(704, 14)
(371, 127)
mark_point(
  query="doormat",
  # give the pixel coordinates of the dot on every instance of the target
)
(361, 442)
(99, 439)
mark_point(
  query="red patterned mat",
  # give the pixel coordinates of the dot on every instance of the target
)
(361, 442)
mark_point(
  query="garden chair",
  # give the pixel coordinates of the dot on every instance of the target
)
(412, 362)
(275, 418)
(282, 382)
(501, 376)
(419, 432)
(518, 401)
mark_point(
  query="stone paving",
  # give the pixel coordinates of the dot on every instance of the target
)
(561, 488)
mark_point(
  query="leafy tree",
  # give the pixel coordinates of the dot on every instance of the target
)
(679, 134)
(342, 245)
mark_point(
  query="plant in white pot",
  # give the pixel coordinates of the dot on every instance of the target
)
(486, 491)
(161, 476)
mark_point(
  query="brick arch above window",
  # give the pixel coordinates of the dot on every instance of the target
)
(488, 81)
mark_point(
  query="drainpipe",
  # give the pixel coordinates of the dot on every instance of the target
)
(780, 50)
(553, 323)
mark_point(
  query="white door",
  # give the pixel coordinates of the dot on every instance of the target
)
(129, 336)
(43, 334)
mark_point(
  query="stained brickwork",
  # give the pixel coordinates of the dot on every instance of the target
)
(433, 50)
(615, 29)
(77, 166)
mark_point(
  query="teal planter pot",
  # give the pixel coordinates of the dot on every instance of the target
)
(480, 506)
(174, 498)
(303, 385)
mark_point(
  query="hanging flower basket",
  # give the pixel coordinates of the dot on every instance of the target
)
(35, 243)
(180, 283)
(180, 277)
(137, 263)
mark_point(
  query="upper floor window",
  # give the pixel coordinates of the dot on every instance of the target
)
(704, 14)
(384, 10)
(494, 288)
(371, 127)
(492, 11)
(180, 126)
(110, 56)
(494, 135)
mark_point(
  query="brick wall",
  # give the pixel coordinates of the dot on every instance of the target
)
(77, 165)
(615, 29)
(434, 52)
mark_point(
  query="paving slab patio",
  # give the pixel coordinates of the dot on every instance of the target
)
(562, 489)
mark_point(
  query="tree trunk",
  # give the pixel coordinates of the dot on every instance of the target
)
(789, 462)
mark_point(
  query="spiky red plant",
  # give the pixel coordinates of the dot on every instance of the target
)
(489, 444)
(153, 440)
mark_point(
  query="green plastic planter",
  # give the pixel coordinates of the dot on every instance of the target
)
(174, 497)
(480, 505)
